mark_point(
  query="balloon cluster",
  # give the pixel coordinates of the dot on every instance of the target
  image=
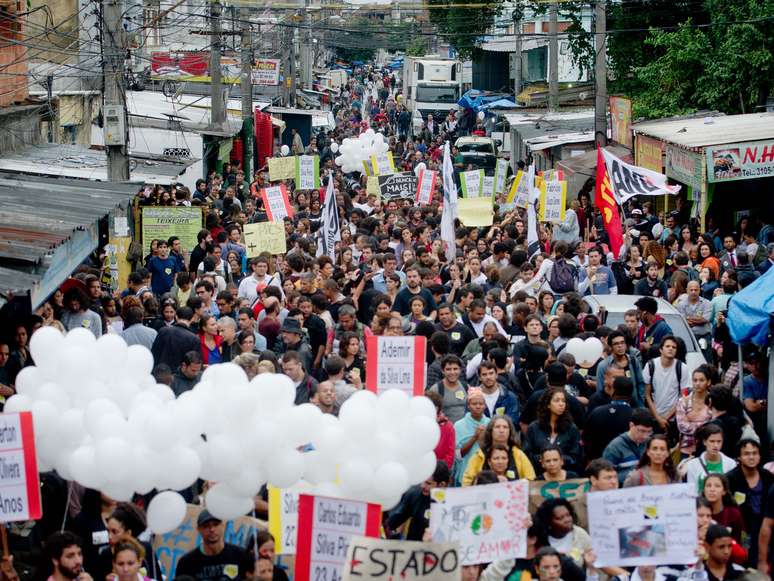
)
(101, 419)
(354, 151)
(586, 352)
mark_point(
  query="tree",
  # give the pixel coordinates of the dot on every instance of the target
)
(461, 25)
(417, 47)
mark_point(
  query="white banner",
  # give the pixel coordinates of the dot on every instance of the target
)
(425, 186)
(501, 173)
(488, 187)
(630, 180)
(471, 182)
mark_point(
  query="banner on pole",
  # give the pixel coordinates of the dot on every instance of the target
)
(628, 180)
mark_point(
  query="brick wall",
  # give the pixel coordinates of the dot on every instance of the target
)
(13, 56)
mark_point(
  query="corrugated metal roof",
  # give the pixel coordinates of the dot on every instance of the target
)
(717, 130)
(38, 214)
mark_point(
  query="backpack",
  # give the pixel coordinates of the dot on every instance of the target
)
(563, 275)
(678, 372)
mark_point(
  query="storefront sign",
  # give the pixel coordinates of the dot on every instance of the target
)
(649, 153)
(621, 120)
(740, 161)
(266, 72)
(684, 166)
(395, 363)
(162, 222)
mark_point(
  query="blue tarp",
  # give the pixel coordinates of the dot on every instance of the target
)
(500, 104)
(478, 100)
(749, 311)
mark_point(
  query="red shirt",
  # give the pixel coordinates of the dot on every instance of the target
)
(446, 445)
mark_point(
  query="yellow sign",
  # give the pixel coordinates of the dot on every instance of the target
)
(162, 222)
(282, 168)
(372, 186)
(265, 237)
(649, 153)
(553, 199)
(476, 211)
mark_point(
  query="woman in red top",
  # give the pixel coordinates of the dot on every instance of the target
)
(724, 510)
(210, 340)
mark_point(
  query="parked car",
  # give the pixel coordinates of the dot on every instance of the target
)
(480, 152)
(617, 305)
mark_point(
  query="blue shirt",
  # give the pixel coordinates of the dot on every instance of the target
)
(162, 273)
(754, 388)
(603, 283)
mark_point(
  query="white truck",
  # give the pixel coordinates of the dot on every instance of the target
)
(431, 85)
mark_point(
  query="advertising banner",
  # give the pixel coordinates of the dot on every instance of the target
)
(740, 161)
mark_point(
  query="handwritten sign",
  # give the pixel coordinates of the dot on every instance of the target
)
(408, 560)
(325, 528)
(275, 200)
(487, 521)
(643, 525)
(20, 498)
(382, 163)
(395, 363)
(307, 172)
(265, 237)
(574, 490)
(425, 186)
(476, 211)
(488, 186)
(521, 186)
(400, 185)
(553, 199)
(171, 546)
(282, 168)
(472, 183)
(501, 173)
(283, 516)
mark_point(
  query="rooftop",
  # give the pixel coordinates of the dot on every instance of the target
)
(706, 131)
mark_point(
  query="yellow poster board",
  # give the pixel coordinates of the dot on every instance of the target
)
(282, 168)
(372, 186)
(476, 211)
(265, 237)
(553, 200)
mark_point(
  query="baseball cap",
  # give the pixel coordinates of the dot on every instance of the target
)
(204, 517)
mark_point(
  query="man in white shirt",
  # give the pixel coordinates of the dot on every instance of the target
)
(248, 288)
(665, 377)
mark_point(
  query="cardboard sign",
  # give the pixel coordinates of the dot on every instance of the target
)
(521, 186)
(488, 521)
(265, 237)
(553, 199)
(400, 185)
(325, 529)
(574, 490)
(472, 183)
(20, 495)
(425, 186)
(275, 200)
(476, 211)
(644, 525)
(282, 168)
(501, 173)
(163, 222)
(283, 517)
(396, 363)
(382, 164)
(170, 546)
(405, 560)
(307, 172)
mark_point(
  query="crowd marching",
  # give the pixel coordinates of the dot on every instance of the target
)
(512, 401)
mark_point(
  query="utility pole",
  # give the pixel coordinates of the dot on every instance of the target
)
(307, 49)
(600, 74)
(517, 16)
(292, 71)
(246, 88)
(115, 118)
(553, 59)
(217, 106)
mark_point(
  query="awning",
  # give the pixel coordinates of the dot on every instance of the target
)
(548, 141)
(586, 164)
(749, 311)
(48, 226)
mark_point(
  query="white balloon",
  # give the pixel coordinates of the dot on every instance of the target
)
(284, 150)
(45, 344)
(420, 469)
(83, 467)
(334, 147)
(286, 467)
(166, 512)
(424, 433)
(574, 347)
(45, 418)
(390, 479)
(248, 482)
(111, 455)
(112, 350)
(356, 476)
(422, 406)
(481, 115)
(139, 361)
(18, 403)
(82, 337)
(28, 380)
(419, 167)
(317, 468)
(223, 458)
(225, 504)
(590, 353)
(181, 468)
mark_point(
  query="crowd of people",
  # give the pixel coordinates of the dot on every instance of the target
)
(512, 402)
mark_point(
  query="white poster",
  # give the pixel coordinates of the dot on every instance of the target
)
(472, 182)
(425, 186)
(396, 363)
(307, 167)
(489, 521)
(382, 163)
(644, 525)
(553, 198)
(501, 173)
(521, 187)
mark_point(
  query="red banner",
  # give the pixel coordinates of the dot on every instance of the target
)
(605, 201)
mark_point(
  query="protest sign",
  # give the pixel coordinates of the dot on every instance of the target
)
(382, 163)
(20, 499)
(553, 199)
(574, 490)
(275, 200)
(488, 187)
(265, 237)
(282, 168)
(476, 211)
(521, 186)
(372, 186)
(740, 161)
(551, 175)
(325, 528)
(501, 173)
(163, 222)
(283, 516)
(386, 560)
(170, 546)
(400, 185)
(488, 521)
(395, 363)
(425, 186)
(472, 183)
(307, 172)
(643, 525)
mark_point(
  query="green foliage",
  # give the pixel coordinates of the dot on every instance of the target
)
(462, 26)
(417, 47)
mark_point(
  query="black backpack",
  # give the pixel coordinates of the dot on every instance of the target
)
(678, 372)
(563, 275)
